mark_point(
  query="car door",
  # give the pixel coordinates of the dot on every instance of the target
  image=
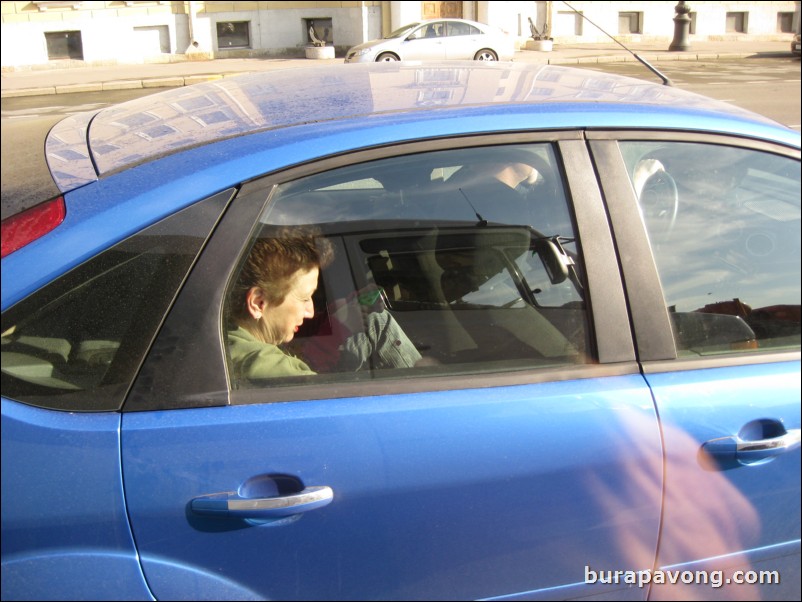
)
(427, 42)
(464, 41)
(528, 463)
(70, 351)
(719, 337)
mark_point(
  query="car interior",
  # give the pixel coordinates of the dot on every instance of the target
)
(470, 293)
(721, 236)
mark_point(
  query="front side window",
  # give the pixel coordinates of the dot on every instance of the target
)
(440, 263)
(724, 225)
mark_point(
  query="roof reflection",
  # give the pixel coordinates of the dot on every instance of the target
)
(167, 122)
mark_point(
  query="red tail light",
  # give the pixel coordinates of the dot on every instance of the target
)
(24, 228)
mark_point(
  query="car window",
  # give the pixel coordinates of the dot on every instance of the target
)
(424, 31)
(433, 30)
(401, 31)
(77, 343)
(724, 225)
(444, 262)
(462, 29)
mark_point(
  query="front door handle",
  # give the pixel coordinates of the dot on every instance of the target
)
(729, 450)
(231, 505)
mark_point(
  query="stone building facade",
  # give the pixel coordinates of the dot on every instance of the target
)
(71, 33)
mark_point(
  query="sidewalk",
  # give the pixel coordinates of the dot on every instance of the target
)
(37, 82)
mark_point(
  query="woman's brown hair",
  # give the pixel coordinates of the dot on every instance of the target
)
(273, 261)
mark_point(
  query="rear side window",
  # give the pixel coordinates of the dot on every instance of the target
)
(462, 29)
(77, 343)
(440, 263)
(724, 226)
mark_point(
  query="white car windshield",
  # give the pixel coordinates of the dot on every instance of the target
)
(401, 31)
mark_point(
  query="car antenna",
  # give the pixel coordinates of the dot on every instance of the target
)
(482, 221)
(643, 61)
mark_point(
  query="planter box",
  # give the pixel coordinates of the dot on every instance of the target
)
(540, 45)
(319, 52)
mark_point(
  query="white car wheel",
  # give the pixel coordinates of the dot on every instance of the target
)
(485, 55)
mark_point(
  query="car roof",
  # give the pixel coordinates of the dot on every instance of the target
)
(441, 20)
(169, 122)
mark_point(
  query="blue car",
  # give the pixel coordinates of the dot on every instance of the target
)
(406, 331)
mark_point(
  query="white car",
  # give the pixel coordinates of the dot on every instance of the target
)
(437, 39)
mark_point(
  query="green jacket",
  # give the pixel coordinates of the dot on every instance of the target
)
(252, 359)
(382, 345)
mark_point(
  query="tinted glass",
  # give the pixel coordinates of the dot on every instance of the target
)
(443, 263)
(77, 343)
(462, 29)
(724, 224)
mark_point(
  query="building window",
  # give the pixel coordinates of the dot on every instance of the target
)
(318, 30)
(630, 23)
(785, 22)
(153, 39)
(737, 22)
(692, 27)
(43, 6)
(64, 45)
(568, 23)
(233, 34)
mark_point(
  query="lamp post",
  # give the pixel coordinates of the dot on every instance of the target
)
(682, 27)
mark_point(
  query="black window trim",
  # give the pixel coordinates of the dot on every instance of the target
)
(197, 375)
(651, 322)
(203, 215)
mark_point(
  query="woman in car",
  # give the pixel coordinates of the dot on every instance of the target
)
(273, 297)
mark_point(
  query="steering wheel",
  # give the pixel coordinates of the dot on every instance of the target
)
(659, 202)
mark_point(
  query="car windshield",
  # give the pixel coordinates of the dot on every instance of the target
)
(401, 31)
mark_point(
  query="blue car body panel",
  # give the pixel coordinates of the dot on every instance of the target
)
(510, 492)
(450, 495)
(763, 517)
(65, 465)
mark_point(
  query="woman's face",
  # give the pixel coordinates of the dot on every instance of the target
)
(283, 320)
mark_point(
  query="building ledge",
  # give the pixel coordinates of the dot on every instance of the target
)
(44, 6)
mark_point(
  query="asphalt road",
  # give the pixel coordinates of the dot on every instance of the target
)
(24, 125)
(768, 86)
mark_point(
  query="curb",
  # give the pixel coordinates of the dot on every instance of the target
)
(126, 84)
(187, 80)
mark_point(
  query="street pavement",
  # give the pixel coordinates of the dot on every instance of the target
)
(42, 81)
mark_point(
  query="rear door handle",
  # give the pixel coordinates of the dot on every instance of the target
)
(727, 450)
(231, 505)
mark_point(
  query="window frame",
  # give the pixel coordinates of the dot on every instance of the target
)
(736, 22)
(785, 21)
(196, 223)
(651, 322)
(634, 18)
(197, 374)
(234, 24)
(74, 45)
